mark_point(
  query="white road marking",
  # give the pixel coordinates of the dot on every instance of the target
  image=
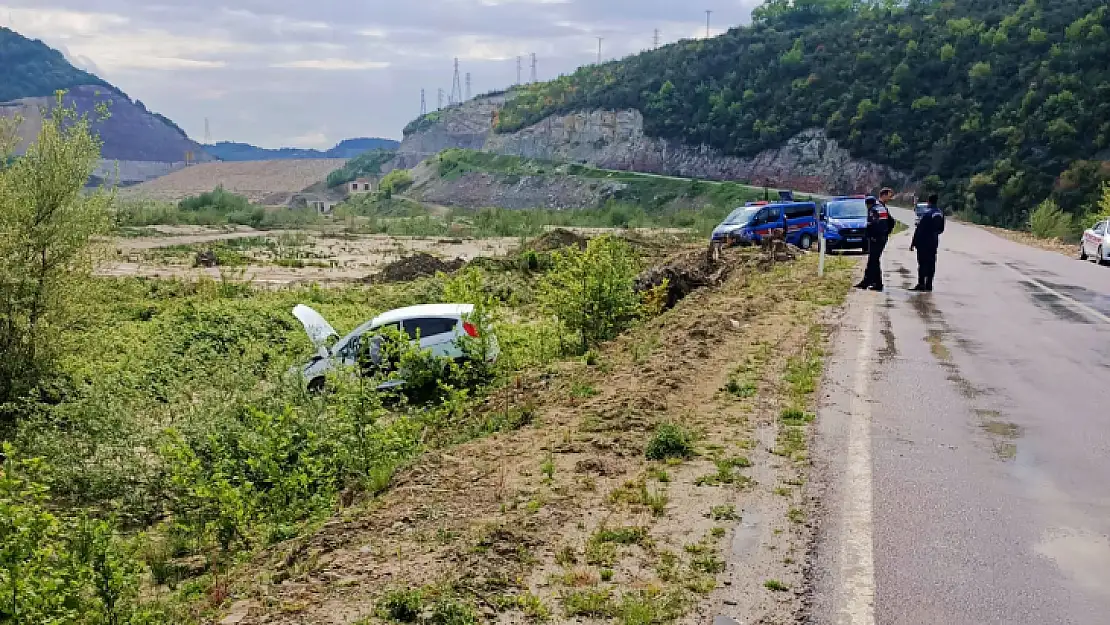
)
(857, 559)
(1074, 303)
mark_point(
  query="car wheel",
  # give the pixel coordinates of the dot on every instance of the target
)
(1101, 257)
(1082, 251)
(806, 243)
(316, 385)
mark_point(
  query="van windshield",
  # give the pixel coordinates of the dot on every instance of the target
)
(741, 216)
(847, 209)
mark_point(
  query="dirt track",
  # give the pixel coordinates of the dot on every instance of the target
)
(484, 519)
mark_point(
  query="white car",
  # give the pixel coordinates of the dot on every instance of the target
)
(1096, 243)
(438, 327)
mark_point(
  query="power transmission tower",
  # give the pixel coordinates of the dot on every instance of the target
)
(599, 40)
(655, 40)
(534, 78)
(708, 14)
(439, 104)
(456, 86)
(468, 92)
(519, 65)
(423, 104)
(207, 132)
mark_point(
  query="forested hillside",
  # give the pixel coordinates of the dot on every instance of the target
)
(30, 68)
(997, 103)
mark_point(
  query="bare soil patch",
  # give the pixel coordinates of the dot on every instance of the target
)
(419, 265)
(255, 180)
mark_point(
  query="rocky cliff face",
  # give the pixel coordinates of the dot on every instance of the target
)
(615, 140)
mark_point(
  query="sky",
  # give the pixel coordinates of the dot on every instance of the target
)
(309, 73)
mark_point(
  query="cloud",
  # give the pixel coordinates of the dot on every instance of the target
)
(331, 64)
(269, 71)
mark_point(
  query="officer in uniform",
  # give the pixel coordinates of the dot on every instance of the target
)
(926, 240)
(879, 226)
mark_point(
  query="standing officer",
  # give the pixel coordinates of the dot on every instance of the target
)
(879, 226)
(926, 240)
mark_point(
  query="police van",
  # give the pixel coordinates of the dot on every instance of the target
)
(748, 224)
(845, 221)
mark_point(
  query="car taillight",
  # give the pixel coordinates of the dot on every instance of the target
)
(470, 330)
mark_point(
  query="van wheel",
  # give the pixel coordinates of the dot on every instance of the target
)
(316, 385)
(806, 243)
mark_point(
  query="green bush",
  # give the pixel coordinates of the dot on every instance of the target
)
(1047, 221)
(396, 181)
(670, 441)
(591, 291)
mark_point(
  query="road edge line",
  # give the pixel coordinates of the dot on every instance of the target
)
(857, 558)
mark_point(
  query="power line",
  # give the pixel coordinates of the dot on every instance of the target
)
(708, 14)
(534, 78)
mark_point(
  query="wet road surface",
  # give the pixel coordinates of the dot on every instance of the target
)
(963, 455)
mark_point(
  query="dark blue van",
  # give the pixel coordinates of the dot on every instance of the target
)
(750, 223)
(845, 221)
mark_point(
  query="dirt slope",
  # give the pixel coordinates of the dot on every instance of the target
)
(513, 525)
(255, 180)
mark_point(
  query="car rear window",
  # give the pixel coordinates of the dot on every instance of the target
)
(426, 327)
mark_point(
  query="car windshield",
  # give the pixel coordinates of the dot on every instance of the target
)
(740, 216)
(847, 209)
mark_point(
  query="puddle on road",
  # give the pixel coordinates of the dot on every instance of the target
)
(1081, 554)
(745, 541)
(1002, 434)
(1053, 304)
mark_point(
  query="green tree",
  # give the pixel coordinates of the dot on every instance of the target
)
(47, 227)
(591, 291)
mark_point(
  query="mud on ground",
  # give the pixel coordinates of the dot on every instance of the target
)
(566, 517)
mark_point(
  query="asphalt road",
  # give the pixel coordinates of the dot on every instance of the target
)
(963, 454)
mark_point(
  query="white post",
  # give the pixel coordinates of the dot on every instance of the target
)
(820, 245)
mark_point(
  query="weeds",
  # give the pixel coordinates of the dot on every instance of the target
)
(724, 513)
(595, 602)
(670, 441)
(775, 585)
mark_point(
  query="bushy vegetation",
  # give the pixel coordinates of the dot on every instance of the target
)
(396, 181)
(1047, 221)
(998, 105)
(30, 68)
(213, 208)
(363, 165)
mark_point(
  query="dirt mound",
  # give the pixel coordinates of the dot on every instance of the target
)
(557, 239)
(419, 265)
(688, 271)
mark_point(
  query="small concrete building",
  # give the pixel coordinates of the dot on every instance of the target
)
(361, 185)
(313, 201)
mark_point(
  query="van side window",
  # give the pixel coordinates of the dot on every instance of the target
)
(426, 327)
(798, 212)
(773, 214)
(1101, 228)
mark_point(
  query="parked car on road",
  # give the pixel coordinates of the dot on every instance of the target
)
(1096, 243)
(845, 221)
(440, 328)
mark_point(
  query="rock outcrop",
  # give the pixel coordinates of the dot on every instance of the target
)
(810, 161)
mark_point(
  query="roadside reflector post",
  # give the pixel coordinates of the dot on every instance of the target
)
(820, 245)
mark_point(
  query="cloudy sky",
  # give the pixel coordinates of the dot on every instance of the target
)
(309, 73)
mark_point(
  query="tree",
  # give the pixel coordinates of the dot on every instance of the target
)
(47, 226)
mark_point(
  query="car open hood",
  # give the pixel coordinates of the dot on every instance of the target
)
(317, 328)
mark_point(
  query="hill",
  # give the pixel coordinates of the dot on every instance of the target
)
(267, 182)
(30, 74)
(997, 104)
(348, 148)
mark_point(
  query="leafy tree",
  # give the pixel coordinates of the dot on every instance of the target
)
(366, 164)
(46, 235)
(1047, 221)
(591, 291)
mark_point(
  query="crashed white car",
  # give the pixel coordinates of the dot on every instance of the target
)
(437, 327)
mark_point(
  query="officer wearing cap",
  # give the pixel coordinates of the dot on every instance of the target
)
(879, 226)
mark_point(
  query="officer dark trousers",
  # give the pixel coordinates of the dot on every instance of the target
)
(873, 275)
(926, 266)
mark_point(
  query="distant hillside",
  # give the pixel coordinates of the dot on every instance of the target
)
(146, 143)
(349, 148)
(29, 68)
(999, 104)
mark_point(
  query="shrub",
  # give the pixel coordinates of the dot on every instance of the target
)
(1048, 221)
(670, 441)
(591, 291)
(396, 181)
